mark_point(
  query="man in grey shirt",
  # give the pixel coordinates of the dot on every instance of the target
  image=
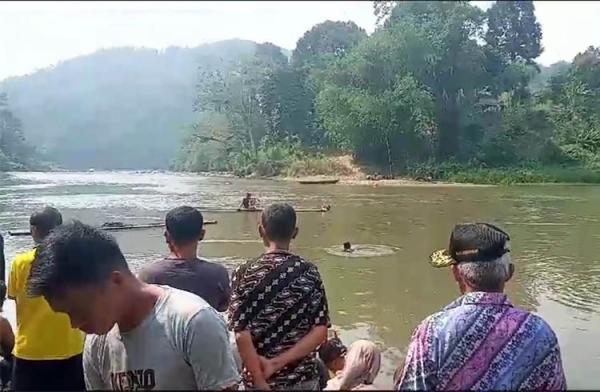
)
(183, 269)
(140, 336)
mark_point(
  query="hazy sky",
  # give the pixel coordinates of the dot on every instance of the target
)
(34, 35)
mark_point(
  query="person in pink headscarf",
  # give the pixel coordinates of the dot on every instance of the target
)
(362, 366)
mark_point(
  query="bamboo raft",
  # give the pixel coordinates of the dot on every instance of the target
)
(114, 228)
(220, 210)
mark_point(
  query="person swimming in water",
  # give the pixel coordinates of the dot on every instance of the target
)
(248, 202)
(348, 247)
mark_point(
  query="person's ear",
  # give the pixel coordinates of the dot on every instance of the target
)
(116, 278)
(295, 233)
(261, 231)
(33, 230)
(455, 273)
(202, 234)
(511, 271)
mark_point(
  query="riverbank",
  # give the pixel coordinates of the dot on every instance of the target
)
(350, 173)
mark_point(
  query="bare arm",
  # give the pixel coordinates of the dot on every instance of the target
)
(305, 346)
(250, 359)
(7, 337)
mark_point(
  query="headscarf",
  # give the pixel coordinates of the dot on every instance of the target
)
(362, 366)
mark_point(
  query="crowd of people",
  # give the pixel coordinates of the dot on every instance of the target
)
(86, 321)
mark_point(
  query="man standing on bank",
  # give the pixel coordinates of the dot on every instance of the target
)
(279, 310)
(183, 269)
(140, 336)
(47, 352)
(481, 341)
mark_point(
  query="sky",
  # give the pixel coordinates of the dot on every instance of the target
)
(35, 35)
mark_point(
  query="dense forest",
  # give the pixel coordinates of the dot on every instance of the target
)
(440, 90)
(120, 108)
(15, 153)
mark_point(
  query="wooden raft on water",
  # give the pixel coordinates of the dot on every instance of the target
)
(114, 227)
(311, 181)
(219, 210)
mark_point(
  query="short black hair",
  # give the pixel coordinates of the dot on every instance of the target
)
(184, 224)
(73, 255)
(279, 221)
(45, 220)
(332, 349)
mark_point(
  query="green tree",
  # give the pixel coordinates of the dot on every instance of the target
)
(440, 45)
(324, 40)
(15, 153)
(512, 43)
(382, 10)
(513, 31)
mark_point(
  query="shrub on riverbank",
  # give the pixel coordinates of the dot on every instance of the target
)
(508, 175)
(288, 159)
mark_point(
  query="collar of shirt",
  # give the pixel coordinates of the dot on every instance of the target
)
(480, 298)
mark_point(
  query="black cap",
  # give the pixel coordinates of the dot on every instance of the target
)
(472, 242)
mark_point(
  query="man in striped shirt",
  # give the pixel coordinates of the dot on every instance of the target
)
(481, 341)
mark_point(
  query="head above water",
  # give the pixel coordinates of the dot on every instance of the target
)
(479, 255)
(42, 222)
(81, 271)
(278, 224)
(184, 226)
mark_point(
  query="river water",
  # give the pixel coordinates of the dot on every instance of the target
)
(379, 294)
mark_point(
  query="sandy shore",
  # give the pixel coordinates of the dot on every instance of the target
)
(399, 182)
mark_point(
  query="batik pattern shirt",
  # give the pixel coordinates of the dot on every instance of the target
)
(481, 342)
(279, 298)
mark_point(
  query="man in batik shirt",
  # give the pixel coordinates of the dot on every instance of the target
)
(278, 310)
(481, 341)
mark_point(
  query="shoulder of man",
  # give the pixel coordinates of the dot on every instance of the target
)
(240, 271)
(432, 324)
(544, 330)
(213, 266)
(149, 272)
(311, 268)
(181, 303)
(94, 347)
(184, 312)
(23, 258)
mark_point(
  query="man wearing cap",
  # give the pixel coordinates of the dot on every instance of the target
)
(480, 341)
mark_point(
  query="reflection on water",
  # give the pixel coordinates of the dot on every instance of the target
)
(554, 231)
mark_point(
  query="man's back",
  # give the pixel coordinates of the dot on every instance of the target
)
(210, 281)
(279, 298)
(481, 342)
(42, 334)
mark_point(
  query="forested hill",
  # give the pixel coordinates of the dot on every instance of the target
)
(120, 108)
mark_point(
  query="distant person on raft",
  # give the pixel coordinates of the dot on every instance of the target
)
(248, 203)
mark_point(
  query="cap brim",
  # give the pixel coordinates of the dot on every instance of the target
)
(441, 258)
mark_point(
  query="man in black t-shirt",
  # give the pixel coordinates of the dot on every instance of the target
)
(182, 269)
(279, 310)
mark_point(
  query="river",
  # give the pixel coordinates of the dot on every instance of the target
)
(555, 234)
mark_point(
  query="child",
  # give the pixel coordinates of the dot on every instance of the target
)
(332, 358)
(361, 367)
